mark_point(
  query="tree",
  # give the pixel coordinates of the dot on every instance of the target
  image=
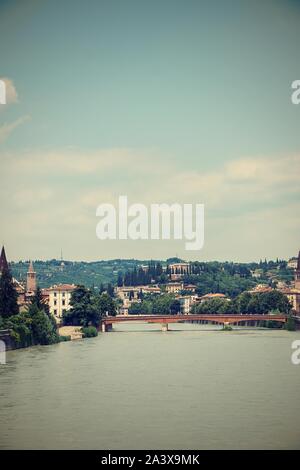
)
(120, 279)
(105, 304)
(39, 301)
(43, 330)
(110, 290)
(8, 295)
(84, 310)
(87, 308)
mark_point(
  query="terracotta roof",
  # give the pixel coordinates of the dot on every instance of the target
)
(62, 287)
(211, 295)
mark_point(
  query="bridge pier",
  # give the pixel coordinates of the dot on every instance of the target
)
(106, 327)
(164, 327)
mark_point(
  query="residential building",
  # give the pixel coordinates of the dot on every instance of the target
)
(59, 299)
(293, 294)
(174, 287)
(212, 296)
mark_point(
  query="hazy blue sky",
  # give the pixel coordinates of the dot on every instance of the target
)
(164, 101)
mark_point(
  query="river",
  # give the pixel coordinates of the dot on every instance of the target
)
(194, 387)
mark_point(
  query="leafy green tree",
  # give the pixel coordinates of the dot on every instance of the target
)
(87, 308)
(110, 290)
(84, 308)
(42, 328)
(20, 329)
(8, 295)
(120, 279)
(39, 301)
(214, 306)
(106, 305)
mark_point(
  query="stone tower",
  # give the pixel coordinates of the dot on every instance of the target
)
(31, 279)
(297, 273)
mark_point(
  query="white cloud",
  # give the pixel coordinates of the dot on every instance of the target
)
(7, 128)
(11, 92)
(249, 202)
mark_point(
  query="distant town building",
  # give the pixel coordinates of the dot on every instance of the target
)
(174, 287)
(59, 299)
(129, 293)
(189, 287)
(186, 302)
(292, 262)
(178, 270)
(211, 295)
(30, 280)
(257, 273)
(260, 289)
(293, 294)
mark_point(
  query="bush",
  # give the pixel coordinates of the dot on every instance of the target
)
(63, 338)
(89, 332)
(290, 324)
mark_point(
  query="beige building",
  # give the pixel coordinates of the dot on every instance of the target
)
(293, 294)
(174, 287)
(212, 296)
(59, 299)
(178, 270)
(186, 303)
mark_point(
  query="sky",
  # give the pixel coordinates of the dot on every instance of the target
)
(163, 101)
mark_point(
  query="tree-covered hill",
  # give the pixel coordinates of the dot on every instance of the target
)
(227, 277)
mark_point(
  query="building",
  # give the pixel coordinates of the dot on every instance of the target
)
(131, 294)
(260, 289)
(174, 287)
(127, 293)
(190, 287)
(186, 302)
(211, 296)
(178, 270)
(30, 280)
(292, 262)
(59, 299)
(297, 273)
(293, 293)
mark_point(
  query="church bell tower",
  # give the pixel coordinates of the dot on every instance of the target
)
(31, 279)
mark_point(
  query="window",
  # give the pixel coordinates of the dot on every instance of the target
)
(63, 294)
(55, 302)
(55, 311)
(64, 302)
(55, 294)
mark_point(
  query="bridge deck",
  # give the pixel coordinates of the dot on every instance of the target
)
(228, 318)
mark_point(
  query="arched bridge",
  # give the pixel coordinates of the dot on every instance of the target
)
(164, 320)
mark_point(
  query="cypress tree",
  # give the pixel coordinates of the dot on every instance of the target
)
(8, 295)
